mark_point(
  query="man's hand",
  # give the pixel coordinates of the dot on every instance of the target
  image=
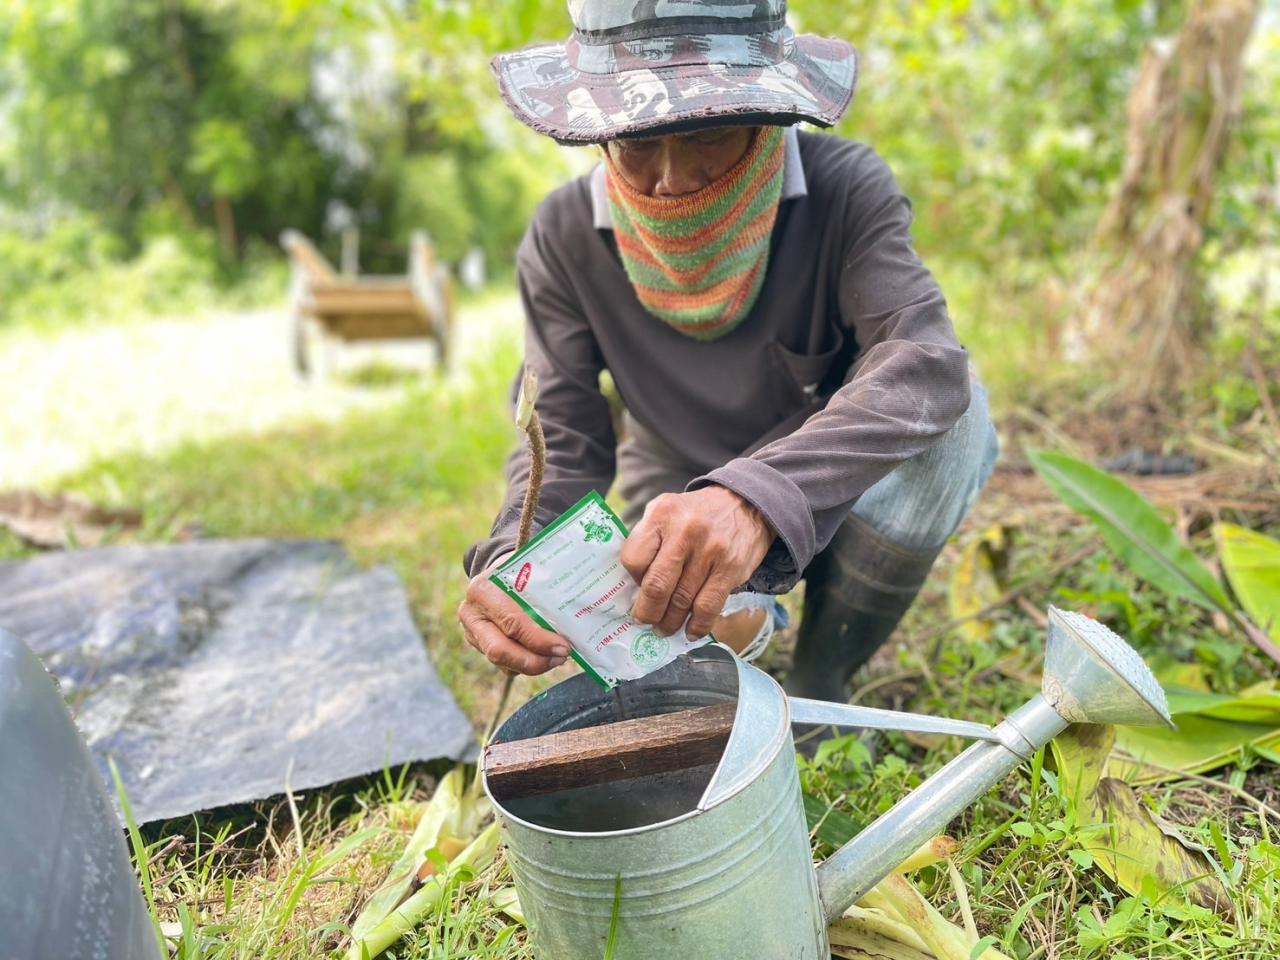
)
(495, 625)
(689, 552)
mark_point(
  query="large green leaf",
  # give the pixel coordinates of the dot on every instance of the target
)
(1213, 729)
(1200, 744)
(1259, 703)
(1129, 843)
(1132, 529)
(1252, 564)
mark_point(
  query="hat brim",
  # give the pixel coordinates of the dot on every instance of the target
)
(814, 81)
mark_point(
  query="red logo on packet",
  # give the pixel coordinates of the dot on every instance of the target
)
(522, 578)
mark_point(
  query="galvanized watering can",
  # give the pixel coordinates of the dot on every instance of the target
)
(713, 862)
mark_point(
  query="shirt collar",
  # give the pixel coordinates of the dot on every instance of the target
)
(793, 182)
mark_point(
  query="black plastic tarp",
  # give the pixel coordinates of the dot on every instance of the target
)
(216, 672)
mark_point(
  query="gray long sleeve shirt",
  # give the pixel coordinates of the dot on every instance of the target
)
(846, 366)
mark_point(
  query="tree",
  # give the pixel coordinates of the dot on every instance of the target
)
(1181, 113)
(169, 115)
(225, 121)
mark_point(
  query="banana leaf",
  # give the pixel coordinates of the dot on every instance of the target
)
(1132, 529)
(1213, 730)
(1129, 843)
(449, 822)
(1252, 564)
(475, 857)
(1138, 535)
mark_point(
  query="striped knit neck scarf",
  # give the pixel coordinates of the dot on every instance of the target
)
(698, 261)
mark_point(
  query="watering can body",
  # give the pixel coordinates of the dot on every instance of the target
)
(702, 886)
(714, 862)
(701, 882)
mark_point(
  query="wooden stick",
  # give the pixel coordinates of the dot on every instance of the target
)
(612, 751)
(527, 420)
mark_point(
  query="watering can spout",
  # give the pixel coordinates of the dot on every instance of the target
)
(1091, 676)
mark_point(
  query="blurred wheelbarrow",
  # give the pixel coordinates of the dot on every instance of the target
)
(326, 304)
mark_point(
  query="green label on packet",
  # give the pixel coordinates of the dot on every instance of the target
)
(570, 578)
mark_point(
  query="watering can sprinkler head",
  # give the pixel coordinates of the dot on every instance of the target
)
(1092, 676)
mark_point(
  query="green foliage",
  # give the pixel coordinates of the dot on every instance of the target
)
(1251, 561)
(1132, 528)
(74, 275)
(1005, 124)
(1135, 532)
(222, 153)
(123, 106)
(221, 122)
(1000, 117)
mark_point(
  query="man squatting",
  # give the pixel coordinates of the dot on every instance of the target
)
(797, 405)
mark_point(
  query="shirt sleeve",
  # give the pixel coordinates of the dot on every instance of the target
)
(907, 386)
(561, 348)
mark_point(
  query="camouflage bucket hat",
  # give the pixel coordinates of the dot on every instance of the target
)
(639, 66)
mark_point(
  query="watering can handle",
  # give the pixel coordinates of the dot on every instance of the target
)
(849, 715)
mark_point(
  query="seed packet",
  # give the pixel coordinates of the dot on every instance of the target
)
(571, 580)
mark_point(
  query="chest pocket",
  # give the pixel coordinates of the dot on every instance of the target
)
(815, 375)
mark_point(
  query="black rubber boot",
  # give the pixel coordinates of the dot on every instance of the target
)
(856, 592)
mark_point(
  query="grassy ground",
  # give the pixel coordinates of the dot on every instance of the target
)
(198, 423)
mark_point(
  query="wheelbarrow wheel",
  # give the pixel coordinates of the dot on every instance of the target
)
(441, 338)
(301, 344)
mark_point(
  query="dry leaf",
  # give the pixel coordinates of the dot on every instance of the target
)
(61, 520)
(978, 581)
(850, 939)
(932, 851)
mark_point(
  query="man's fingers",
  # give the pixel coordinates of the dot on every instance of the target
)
(640, 548)
(504, 652)
(498, 608)
(528, 634)
(682, 597)
(659, 583)
(707, 606)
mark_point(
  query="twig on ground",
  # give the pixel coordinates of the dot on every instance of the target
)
(1263, 809)
(883, 681)
(1226, 453)
(1052, 431)
(1034, 612)
(175, 842)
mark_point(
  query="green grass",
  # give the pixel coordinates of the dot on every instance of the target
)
(407, 471)
(1023, 862)
(405, 486)
(408, 475)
